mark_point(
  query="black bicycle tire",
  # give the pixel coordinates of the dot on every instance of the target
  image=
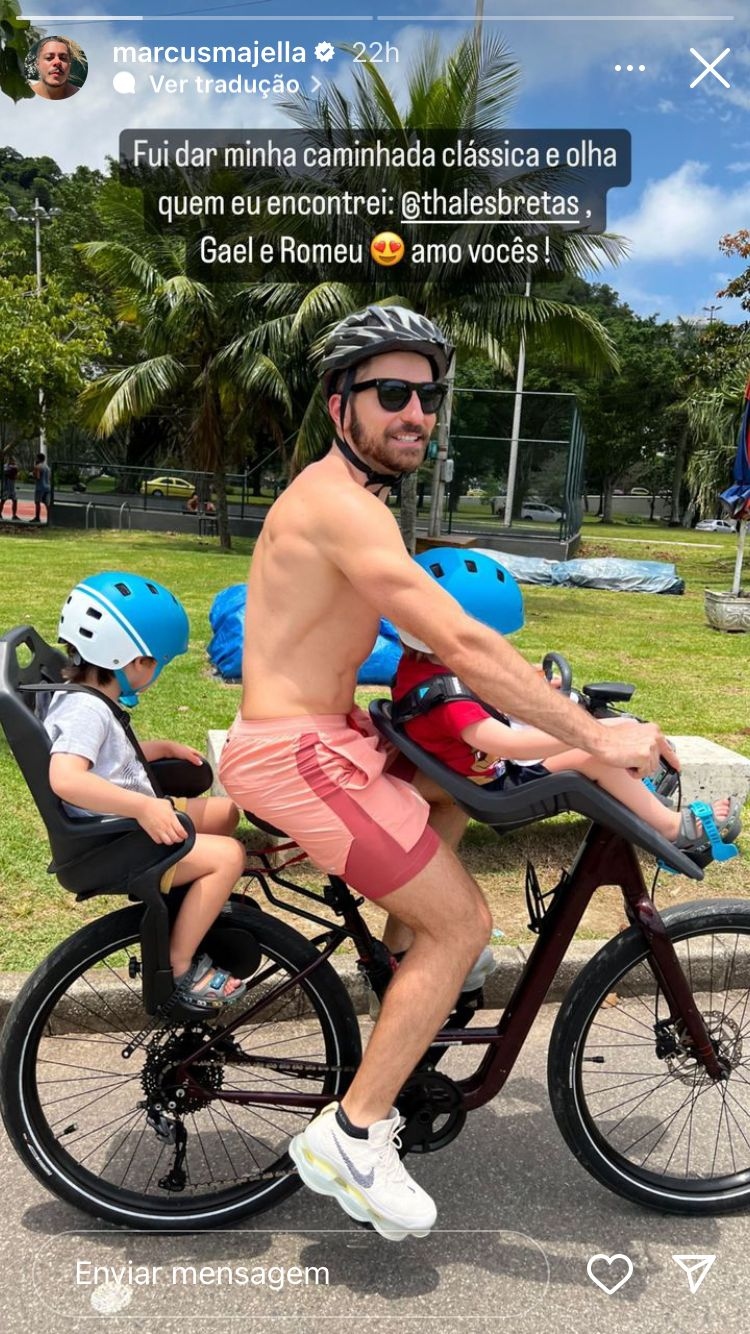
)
(599, 978)
(19, 1103)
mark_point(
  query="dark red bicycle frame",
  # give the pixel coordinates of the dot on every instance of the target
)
(604, 858)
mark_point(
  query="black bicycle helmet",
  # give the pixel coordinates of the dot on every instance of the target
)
(379, 329)
(371, 333)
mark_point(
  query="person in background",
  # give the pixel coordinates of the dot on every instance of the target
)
(10, 475)
(42, 487)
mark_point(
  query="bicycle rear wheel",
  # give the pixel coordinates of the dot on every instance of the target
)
(633, 1104)
(133, 1141)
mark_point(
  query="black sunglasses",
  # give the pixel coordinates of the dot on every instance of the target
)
(393, 395)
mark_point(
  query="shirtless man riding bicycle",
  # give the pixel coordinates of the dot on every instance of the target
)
(329, 563)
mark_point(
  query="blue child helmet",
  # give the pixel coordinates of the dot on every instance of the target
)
(479, 583)
(113, 617)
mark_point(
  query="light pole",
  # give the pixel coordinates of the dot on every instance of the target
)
(442, 471)
(38, 216)
(711, 310)
(515, 432)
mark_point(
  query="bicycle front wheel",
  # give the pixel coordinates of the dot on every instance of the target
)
(133, 1139)
(633, 1103)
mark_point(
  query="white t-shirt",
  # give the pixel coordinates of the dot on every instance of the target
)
(81, 724)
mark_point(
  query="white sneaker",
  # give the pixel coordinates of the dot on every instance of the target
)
(365, 1176)
(483, 968)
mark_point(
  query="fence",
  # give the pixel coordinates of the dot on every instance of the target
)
(550, 462)
(128, 489)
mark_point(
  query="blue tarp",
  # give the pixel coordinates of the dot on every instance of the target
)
(227, 617)
(608, 572)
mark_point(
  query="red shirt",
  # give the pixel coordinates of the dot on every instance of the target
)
(439, 731)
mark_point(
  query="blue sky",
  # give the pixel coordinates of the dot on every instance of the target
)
(691, 147)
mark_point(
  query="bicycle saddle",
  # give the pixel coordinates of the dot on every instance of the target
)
(537, 800)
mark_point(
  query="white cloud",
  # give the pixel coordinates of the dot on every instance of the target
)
(665, 107)
(681, 217)
(738, 166)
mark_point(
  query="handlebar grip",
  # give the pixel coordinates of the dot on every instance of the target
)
(666, 780)
(552, 660)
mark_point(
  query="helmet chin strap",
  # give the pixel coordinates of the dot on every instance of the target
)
(128, 697)
(375, 480)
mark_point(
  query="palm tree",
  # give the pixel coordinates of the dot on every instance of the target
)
(714, 416)
(197, 361)
(471, 89)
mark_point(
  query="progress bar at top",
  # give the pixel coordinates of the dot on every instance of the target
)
(565, 18)
(372, 18)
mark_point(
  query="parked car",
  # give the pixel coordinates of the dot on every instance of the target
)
(716, 526)
(534, 509)
(167, 486)
(640, 491)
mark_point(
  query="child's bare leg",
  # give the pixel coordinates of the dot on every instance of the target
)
(215, 864)
(629, 790)
(213, 815)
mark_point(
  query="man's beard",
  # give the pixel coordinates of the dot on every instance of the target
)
(389, 454)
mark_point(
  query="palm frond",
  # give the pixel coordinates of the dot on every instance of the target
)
(120, 396)
(121, 266)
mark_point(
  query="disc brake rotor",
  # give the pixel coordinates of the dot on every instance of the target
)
(726, 1039)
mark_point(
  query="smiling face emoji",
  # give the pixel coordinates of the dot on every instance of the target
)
(387, 249)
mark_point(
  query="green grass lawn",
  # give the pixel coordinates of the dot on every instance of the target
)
(688, 677)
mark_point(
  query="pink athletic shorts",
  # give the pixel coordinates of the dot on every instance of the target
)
(329, 781)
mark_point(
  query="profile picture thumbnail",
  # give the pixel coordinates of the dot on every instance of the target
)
(56, 68)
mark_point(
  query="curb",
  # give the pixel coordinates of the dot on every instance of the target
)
(510, 961)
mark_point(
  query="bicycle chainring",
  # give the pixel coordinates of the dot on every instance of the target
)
(433, 1111)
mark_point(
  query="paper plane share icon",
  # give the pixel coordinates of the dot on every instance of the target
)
(695, 1268)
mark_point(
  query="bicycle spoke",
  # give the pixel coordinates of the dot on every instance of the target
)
(156, 1126)
(650, 1100)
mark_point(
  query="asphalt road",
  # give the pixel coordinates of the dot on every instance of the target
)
(518, 1223)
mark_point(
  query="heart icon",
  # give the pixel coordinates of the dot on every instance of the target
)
(394, 247)
(379, 246)
(609, 1288)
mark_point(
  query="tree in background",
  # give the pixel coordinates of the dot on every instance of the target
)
(195, 361)
(52, 341)
(739, 244)
(714, 408)
(629, 418)
(16, 39)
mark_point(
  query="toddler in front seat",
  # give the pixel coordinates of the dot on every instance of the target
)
(441, 714)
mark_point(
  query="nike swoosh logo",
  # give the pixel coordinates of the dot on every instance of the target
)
(364, 1179)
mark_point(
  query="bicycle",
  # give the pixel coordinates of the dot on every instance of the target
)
(144, 1119)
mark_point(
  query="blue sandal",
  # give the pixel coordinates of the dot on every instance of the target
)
(716, 838)
(200, 997)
